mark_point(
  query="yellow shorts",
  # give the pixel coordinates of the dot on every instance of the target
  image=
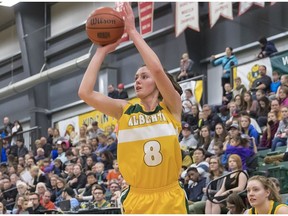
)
(166, 200)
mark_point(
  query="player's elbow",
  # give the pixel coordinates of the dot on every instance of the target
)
(82, 93)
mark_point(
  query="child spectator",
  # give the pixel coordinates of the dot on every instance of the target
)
(271, 129)
(275, 84)
(228, 95)
(114, 173)
(239, 88)
(101, 175)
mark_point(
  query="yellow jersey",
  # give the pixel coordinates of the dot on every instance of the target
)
(148, 151)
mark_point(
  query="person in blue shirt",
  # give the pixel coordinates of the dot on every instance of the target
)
(274, 85)
(267, 48)
(227, 62)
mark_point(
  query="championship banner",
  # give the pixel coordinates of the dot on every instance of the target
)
(250, 71)
(119, 8)
(187, 15)
(103, 120)
(68, 126)
(217, 9)
(146, 12)
(279, 62)
(245, 6)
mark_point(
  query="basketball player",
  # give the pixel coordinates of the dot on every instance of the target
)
(149, 154)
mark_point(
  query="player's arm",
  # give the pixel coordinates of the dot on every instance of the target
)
(95, 99)
(171, 97)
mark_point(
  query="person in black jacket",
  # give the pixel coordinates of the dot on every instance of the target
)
(210, 118)
(34, 206)
(122, 93)
(267, 48)
(79, 180)
(21, 148)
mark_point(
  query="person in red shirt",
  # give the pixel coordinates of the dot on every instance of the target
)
(114, 173)
(46, 202)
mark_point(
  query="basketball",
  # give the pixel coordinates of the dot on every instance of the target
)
(104, 26)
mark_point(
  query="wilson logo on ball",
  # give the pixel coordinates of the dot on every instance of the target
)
(97, 21)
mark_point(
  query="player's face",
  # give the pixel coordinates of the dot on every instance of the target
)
(256, 193)
(144, 83)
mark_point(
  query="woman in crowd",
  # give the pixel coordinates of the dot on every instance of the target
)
(220, 135)
(262, 111)
(40, 189)
(281, 133)
(248, 129)
(204, 137)
(216, 170)
(89, 164)
(270, 131)
(249, 103)
(61, 183)
(235, 182)
(20, 205)
(107, 159)
(193, 117)
(16, 128)
(283, 96)
(235, 204)
(239, 100)
(56, 135)
(264, 197)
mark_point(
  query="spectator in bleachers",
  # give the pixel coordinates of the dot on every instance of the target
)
(112, 145)
(219, 136)
(53, 186)
(17, 127)
(228, 94)
(194, 190)
(87, 152)
(188, 141)
(112, 92)
(193, 117)
(9, 194)
(79, 178)
(275, 84)
(235, 182)
(21, 205)
(264, 197)
(46, 146)
(69, 194)
(210, 118)
(61, 153)
(263, 82)
(216, 170)
(110, 130)
(250, 105)
(227, 62)
(88, 164)
(122, 92)
(275, 106)
(199, 162)
(46, 201)
(186, 65)
(99, 197)
(101, 174)
(284, 82)
(83, 133)
(86, 194)
(95, 130)
(187, 105)
(283, 96)
(60, 188)
(224, 113)
(205, 138)
(239, 100)
(21, 149)
(248, 129)
(49, 138)
(233, 112)
(37, 176)
(240, 145)
(94, 144)
(106, 158)
(4, 151)
(267, 48)
(40, 189)
(262, 111)
(40, 154)
(218, 149)
(259, 94)
(239, 88)
(270, 131)
(281, 133)
(114, 173)
(7, 128)
(113, 187)
(56, 136)
(34, 206)
(235, 204)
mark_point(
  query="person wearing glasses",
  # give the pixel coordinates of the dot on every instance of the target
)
(34, 206)
(99, 197)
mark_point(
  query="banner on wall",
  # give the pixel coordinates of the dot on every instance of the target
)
(245, 6)
(119, 8)
(146, 12)
(195, 86)
(187, 16)
(67, 126)
(217, 9)
(280, 62)
(250, 71)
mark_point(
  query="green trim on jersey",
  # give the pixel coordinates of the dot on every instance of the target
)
(136, 108)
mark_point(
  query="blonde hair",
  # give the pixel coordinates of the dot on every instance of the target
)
(38, 185)
(269, 185)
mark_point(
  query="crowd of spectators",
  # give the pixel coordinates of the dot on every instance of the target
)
(81, 171)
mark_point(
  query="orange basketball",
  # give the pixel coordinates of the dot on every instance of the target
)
(104, 26)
